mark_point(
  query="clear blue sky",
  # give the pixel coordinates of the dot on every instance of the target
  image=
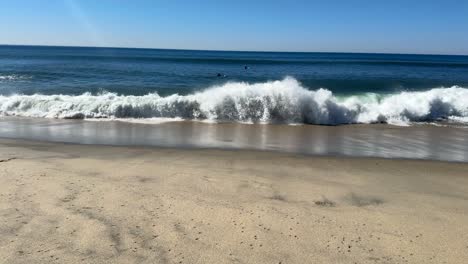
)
(391, 26)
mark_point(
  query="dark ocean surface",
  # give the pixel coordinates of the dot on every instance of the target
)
(247, 87)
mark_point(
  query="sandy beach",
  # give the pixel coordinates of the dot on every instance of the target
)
(65, 203)
(233, 132)
(444, 142)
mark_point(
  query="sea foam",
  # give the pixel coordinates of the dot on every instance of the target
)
(284, 101)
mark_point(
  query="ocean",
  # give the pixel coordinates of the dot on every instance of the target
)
(234, 87)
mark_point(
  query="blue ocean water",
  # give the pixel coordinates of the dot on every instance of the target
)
(316, 88)
(74, 70)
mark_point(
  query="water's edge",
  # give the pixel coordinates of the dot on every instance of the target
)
(384, 141)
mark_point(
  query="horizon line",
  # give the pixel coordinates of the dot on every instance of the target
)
(221, 50)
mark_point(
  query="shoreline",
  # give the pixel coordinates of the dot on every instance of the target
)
(420, 142)
(98, 204)
(14, 141)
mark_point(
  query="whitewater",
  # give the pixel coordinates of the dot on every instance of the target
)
(284, 101)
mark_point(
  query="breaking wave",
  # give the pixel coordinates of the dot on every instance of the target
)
(14, 77)
(285, 101)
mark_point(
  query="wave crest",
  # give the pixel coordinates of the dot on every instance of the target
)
(285, 101)
(14, 77)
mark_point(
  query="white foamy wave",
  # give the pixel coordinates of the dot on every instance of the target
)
(285, 101)
(149, 121)
(13, 77)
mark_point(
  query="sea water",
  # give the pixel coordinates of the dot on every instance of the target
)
(227, 86)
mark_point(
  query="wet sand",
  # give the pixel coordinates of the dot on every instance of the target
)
(446, 143)
(65, 203)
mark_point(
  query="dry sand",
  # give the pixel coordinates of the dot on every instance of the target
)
(100, 204)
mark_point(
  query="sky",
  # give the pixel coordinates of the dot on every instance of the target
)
(384, 26)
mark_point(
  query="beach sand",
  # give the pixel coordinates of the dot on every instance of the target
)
(64, 203)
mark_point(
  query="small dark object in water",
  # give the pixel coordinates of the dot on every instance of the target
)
(246, 67)
(219, 75)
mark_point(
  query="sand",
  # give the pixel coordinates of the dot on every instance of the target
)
(64, 203)
(430, 142)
